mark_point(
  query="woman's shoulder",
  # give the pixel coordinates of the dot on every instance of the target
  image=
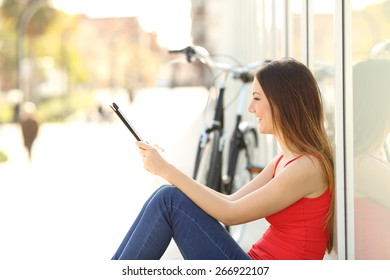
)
(308, 168)
(302, 165)
(306, 162)
(309, 162)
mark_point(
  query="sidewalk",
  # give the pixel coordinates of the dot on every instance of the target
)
(86, 183)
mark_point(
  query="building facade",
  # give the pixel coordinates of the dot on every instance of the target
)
(338, 40)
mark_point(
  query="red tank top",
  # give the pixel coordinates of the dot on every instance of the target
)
(296, 232)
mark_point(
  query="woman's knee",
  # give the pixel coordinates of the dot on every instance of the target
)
(167, 191)
(169, 195)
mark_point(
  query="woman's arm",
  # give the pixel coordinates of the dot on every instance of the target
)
(251, 203)
(259, 181)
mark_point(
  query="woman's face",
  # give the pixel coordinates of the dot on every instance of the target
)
(260, 108)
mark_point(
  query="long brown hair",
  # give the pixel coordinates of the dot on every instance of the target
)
(297, 109)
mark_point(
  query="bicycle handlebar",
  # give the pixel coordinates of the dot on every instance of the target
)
(242, 72)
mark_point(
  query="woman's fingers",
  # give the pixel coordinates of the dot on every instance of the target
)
(146, 146)
(143, 145)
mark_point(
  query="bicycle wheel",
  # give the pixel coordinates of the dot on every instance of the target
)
(242, 174)
(208, 163)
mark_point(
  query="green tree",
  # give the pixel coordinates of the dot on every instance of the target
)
(12, 12)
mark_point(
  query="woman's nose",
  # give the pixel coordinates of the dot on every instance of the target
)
(250, 108)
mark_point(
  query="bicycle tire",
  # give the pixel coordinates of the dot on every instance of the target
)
(242, 175)
(208, 163)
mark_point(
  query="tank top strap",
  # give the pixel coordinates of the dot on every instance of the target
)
(279, 159)
(293, 160)
(276, 165)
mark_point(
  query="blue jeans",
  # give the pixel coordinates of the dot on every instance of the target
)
(167, 214)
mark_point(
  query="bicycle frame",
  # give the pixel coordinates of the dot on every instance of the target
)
(215, 179)
(237, 141)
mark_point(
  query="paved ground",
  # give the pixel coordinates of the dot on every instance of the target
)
(85, 185)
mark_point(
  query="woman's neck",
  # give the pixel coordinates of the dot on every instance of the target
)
(287, 153)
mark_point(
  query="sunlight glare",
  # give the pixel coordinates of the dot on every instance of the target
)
(170, 19)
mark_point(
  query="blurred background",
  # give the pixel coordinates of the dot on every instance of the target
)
(71, 181)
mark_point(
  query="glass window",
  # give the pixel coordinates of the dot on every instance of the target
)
(321, 56)
(274, 29)
(322, 53)
(371, 126)
(296, 32)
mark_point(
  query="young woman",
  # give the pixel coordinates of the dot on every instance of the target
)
(294, 192)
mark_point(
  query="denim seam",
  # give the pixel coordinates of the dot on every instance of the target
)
(147, 238)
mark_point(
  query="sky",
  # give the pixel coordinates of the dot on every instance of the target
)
(170, 19)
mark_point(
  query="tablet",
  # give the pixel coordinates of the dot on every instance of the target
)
(116, 109)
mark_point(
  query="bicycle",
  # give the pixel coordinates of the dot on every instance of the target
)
(209, 164)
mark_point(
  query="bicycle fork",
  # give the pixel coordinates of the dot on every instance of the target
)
(237, 144)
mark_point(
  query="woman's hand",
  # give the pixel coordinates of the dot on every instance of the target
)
(153, 161)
